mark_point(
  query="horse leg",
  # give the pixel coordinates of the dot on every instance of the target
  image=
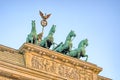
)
(86, 57)
(59, 48)
(78, 55)
(31, 41)
(46, 45)
(68, 54)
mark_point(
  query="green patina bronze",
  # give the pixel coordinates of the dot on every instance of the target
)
(80, 51)
(67, 46)
(48, 41)
(32, 37)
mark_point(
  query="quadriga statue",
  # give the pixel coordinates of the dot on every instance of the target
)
(80, 51)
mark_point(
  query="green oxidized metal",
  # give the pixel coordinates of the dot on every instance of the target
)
(67, 46)
(32, 37)
(80, 51)
(48, 41)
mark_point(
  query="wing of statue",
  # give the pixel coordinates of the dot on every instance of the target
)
(41, 14)
(48, 16)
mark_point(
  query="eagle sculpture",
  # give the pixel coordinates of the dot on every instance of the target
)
(44, 17)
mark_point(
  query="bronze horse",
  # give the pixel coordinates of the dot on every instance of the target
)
(80, 51)
(67, 46)
(48, 41)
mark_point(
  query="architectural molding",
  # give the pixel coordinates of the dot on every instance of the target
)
(32, 62)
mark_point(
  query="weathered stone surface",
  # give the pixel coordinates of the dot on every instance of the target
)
(4, 78)
(11, 55)
(37, 63)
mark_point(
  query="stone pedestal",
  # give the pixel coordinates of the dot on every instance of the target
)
(37, 63)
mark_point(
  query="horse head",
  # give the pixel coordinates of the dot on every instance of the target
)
(83, 43)
(71, 35)
(52, 30)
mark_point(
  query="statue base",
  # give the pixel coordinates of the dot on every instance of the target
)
(32, 62)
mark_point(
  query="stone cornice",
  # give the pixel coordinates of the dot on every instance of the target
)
(57, 56)
(103, 78)
(7, 49)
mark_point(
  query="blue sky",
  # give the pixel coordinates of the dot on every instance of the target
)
(97, 20)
